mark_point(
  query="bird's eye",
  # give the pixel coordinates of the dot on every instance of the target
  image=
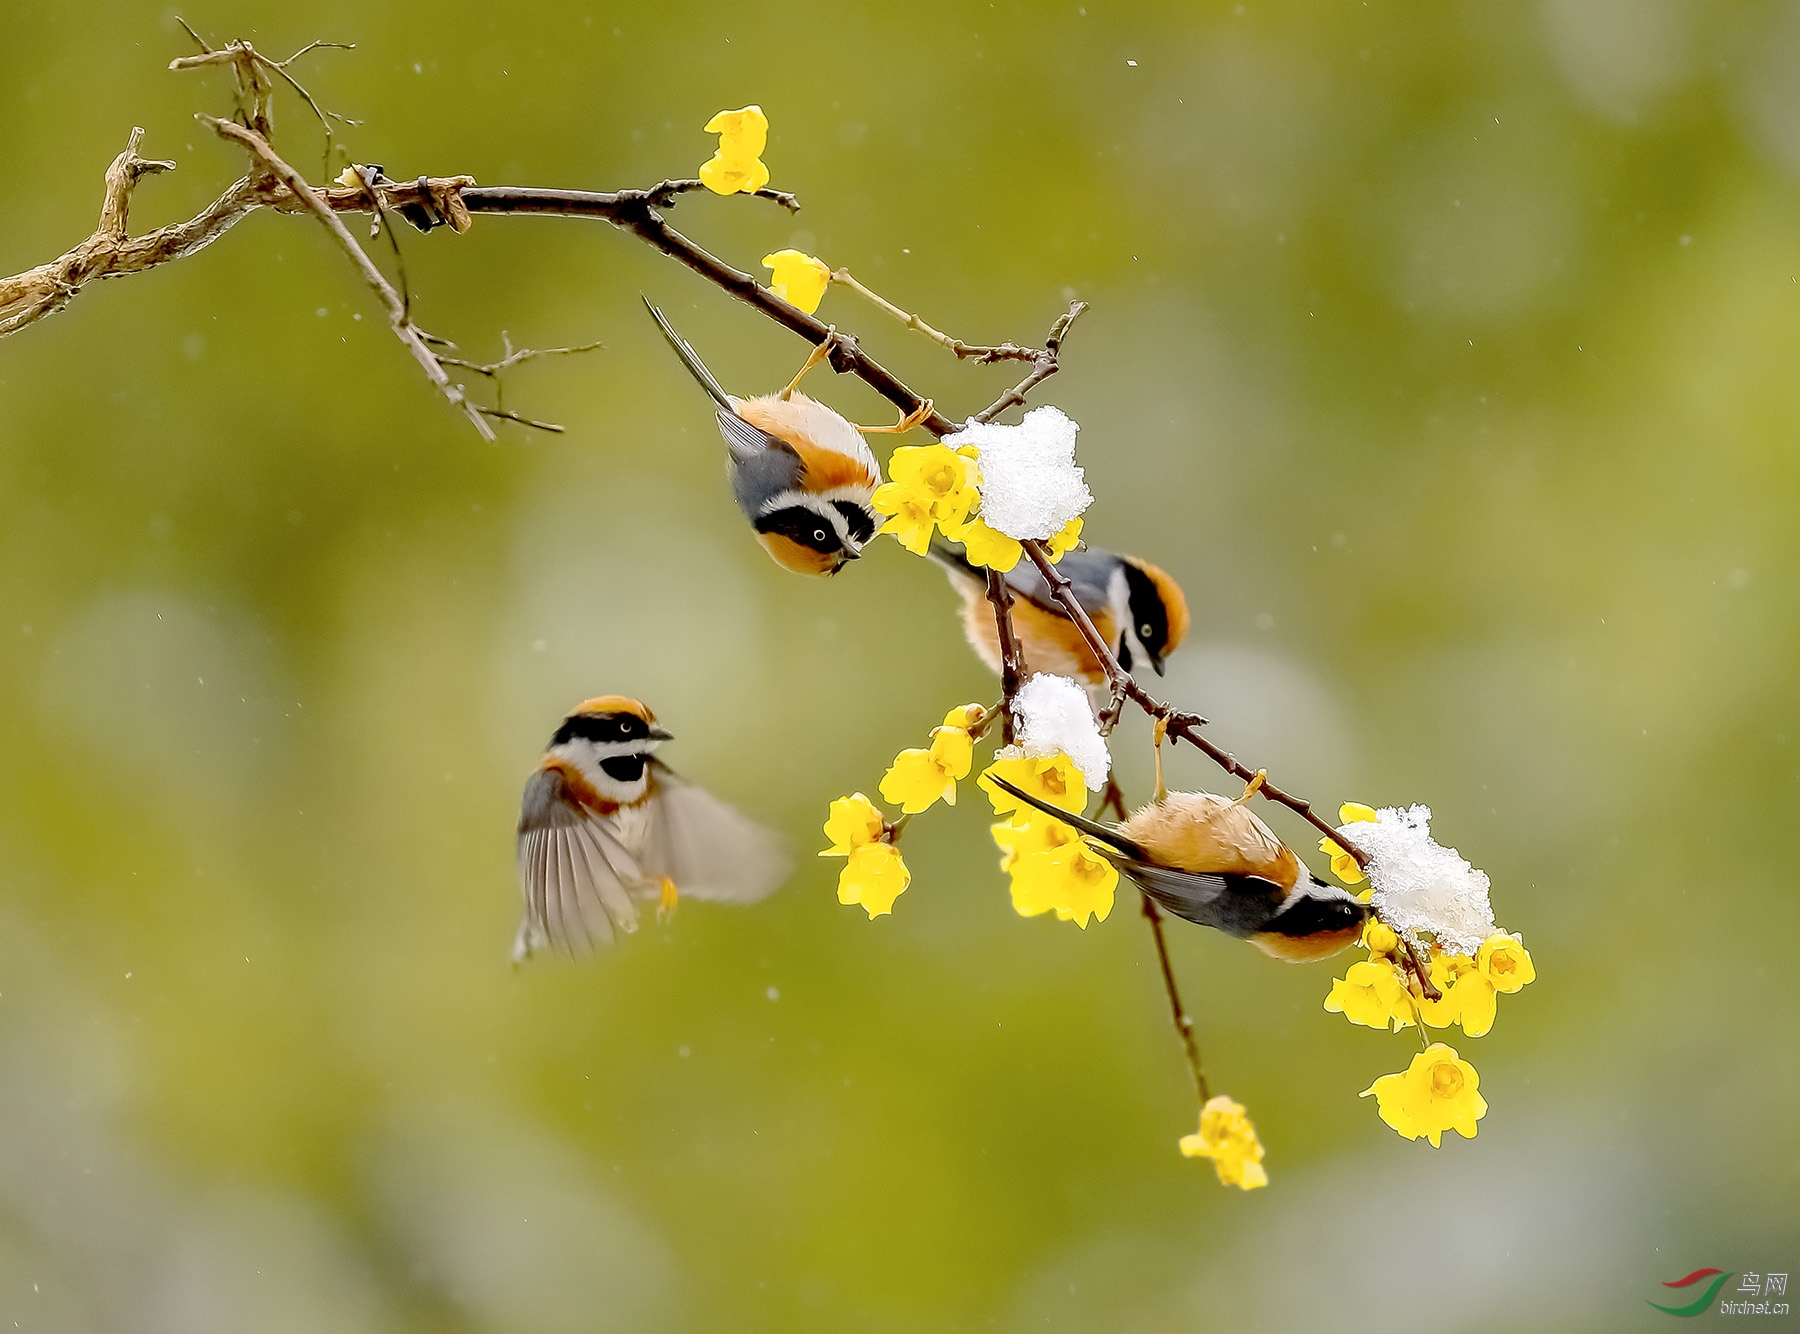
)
(818, 534)
(1145, 630)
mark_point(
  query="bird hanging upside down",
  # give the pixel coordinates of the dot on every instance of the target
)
(1207, 859)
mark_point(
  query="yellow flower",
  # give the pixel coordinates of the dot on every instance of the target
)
(799, 279)
(1468, 997)
(1227, 1136)
(1437, 1092)
(1064, 541)
(1025, 834)
(737, 165)
(986, 546)
(1504, 963)
(966, 716)
(1069, 880)
(874, 876)
(852, 822)
(1379, 937)
(1343, 865)
(1373, 994)
(1054, 779)
(953, 751)
(915, 781)
(909, 520)
(931, 484)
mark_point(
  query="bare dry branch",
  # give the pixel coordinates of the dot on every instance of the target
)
(964, 351)
(404, 329)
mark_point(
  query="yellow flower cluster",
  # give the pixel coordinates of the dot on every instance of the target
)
(935, 486)
(737, 165)
(1437, 1092)
(1227, 1136)
(918, 779)
(876, 874)
(799, 278)
(1050, 866)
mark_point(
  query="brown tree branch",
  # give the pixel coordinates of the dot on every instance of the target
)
(1012, 670)
(1184, 1026)
(964, 351)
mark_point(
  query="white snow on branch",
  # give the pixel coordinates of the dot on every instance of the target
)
(1420, 885)
(1055, 718)
(1030, 485)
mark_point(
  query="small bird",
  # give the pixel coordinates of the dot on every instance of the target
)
(1209, 860)
(1137, 607)
(604, 820)
(801, 473)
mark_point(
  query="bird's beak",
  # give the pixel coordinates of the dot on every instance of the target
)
(660, 734)
(1156, 663)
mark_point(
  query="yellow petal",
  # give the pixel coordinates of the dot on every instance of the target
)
(730, 176)
(953, 749)
(1054, 779)
(742, 133)
(965, 716)
(1380, 937)
(984, 545)
(1504, 962)
(1477, 1006)
(799, 279)
(1354, 812)
(1343, 865)
(852, 822)
(1064, 541)
(915, 781)
(874, 876)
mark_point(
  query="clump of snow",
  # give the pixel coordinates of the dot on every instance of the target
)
(1030, 486)
(1055, 718)
(1421, 886)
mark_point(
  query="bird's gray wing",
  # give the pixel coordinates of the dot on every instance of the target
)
(761, 466)
(574, 875)
(1239, 905)
(708, 849)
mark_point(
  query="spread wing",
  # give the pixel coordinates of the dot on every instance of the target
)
(706, 848)
(573, 873)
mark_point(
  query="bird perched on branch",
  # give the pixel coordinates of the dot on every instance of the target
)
(800, 472)
(1209, 860)
(1137, 608)
(604, 821)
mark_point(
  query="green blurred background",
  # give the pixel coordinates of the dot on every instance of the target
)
(1447, 354)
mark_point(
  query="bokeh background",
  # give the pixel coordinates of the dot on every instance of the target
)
(1447, 354)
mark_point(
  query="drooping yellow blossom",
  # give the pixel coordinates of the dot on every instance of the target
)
(1504, 963)
(852, 822)
(799, 279)
(1379, 937)
(874, 876)
(966, 716)
(1343, 865)
(931, 484)
(953, 751)
(737, 165)
(1069, 880)
(1060, 543)
(915, 781)
(1054, 779)
(1373, 994)
(1227, 1136)
(986, 546)
(1437, 1092)
(1027, 833)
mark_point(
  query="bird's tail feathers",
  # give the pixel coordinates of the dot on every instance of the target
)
(1092, 828)
(691, 359)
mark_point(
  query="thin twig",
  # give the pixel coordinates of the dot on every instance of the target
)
(404, 329)
(495, 369)
(1012, 672)
(964, 351)
(1184, 1026)
(1043, 366)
